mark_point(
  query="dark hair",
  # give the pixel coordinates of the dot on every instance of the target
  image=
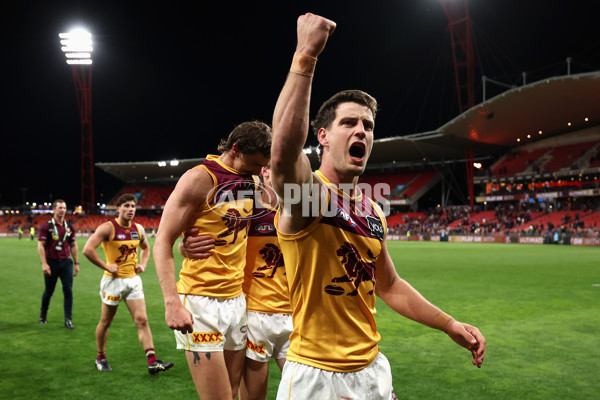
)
(327, 112)
(251, 138)
(55, 202)
(124, 198)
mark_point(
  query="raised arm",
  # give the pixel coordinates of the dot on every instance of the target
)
(407, 301)
(291, 117)
(178, 215)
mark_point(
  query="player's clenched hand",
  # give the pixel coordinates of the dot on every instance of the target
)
(179, 318)
(112, 268)
(196, 247)
(470, 338)
(313, 32)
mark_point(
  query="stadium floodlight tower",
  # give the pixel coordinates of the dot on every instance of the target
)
(77, 46)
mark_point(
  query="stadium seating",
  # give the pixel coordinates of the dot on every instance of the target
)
(419, 182)
(566, 156)
(557, 219)
(148, 196)
(516, 162)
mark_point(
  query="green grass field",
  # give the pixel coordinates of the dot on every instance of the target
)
(538, 306)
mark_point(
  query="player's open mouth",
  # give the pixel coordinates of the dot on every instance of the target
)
(358, 150)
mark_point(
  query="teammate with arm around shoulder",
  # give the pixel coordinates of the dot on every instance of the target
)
(206, 307)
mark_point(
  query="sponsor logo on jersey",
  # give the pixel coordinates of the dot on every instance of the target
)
(121, 236)
(207, 337)
(376, 227)
(345, 217)
(111, 298)
(135, 236)
(265, 227)
(257, 348)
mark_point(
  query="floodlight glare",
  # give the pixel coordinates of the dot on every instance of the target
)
(77, 46)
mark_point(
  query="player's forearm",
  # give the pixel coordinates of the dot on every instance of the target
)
(290, 130)
(94, 258)
(164, 263)
(291, 117)
(407, 301)
(145, 256)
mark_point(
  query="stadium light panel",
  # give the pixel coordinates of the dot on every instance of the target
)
(174, 163)
(77, 46)
(78, 55)
(79, 62)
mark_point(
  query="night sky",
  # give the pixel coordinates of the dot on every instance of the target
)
(170, 79)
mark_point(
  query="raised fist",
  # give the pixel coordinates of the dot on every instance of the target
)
(313, 32)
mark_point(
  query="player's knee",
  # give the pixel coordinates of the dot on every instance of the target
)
(105, 323)
(141, 320)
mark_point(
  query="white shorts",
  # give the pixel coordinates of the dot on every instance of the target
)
(268, 336)
(113, 290)
(301, 382)
(219, 324)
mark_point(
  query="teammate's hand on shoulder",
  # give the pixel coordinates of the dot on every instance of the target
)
(196, 247)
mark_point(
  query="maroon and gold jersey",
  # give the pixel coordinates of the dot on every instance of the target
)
(225, 215)
(332, 263)
(121, 248)
(265, 281)
(57, 238)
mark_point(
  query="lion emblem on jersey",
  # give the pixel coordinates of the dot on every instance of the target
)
(126, 251)
(273, 258)
(235, 223)
(357, 269)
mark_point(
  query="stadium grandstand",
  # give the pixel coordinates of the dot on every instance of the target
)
(536, 178)
(520, 166)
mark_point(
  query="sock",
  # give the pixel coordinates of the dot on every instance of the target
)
(101, 356)
(151, 356)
